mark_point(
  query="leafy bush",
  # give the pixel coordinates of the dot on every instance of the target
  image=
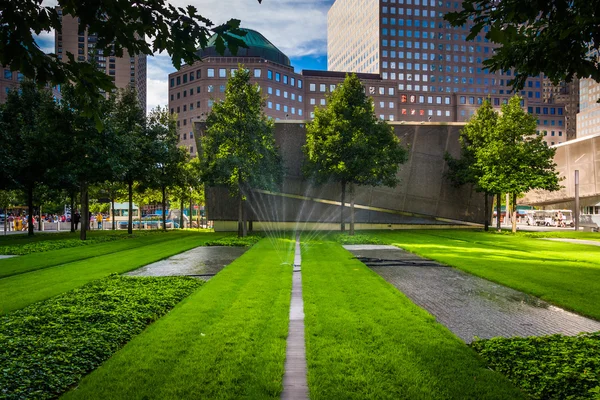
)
(47, 245)
(48, 346)
(357, 239)
(547, 367)
(235, 241)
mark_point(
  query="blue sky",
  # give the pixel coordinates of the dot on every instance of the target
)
(297, 28)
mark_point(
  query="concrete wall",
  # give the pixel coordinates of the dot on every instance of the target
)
(580, 154)
(423, 196)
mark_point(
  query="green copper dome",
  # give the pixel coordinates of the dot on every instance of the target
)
(258, 46)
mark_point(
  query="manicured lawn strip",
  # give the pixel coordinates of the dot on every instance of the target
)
(564, 274)
(49, 245)
(35, 261)
(366, 340)
(226, 341)
(47, 347)
(562, 234)
(21, 290)
(20, 239)
(549, 367)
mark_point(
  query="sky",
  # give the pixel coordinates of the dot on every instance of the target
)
(297, 28)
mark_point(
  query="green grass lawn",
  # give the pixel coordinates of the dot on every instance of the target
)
(564, 274)
(19, 239)
(225, 341)
(18, 291)
(35, 261)
(366, 340)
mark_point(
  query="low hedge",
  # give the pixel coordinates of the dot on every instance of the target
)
(47, 245)
(356, 239)
(235, 241)
(547, 367)
(47, 347)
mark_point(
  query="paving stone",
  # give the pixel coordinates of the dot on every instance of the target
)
(471, 306)
(575, 241)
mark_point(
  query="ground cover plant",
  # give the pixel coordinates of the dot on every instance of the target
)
(47, 245)
(21, 290)
(356, 239)
(366, 340)
(48, 346)
(36, 261)
(559, 234)
(564, 274)
(226, 341)
(235, 241)
(548, 367)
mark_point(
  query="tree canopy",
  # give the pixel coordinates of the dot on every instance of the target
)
(137, 27)
(347, 144)
(553, 37)
(238, 150)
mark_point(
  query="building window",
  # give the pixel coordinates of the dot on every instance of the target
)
(285, 79)
(312, 87)
(222, 88)
(210, 73)
(222, 73)
(270, 74)
(257, 73)
(210, 88)
(277, 92)
(178, 80)
(322, 87)
(172, 79)
(299, 83)
(198, 74)
(322, 102)
(277, 77)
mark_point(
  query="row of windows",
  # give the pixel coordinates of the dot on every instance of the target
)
(211, 89)
(278, 107)
(546, 110)
(222, 73)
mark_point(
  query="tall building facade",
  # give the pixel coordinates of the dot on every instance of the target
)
(124, 71)
(430, 62)
(9, 80)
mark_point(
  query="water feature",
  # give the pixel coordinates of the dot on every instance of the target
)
(201, 262)
(468, 305)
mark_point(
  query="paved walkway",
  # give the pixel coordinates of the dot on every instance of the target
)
(467, 305)
(295, 386)
(202, 262)
(576, 241)
(6, 256)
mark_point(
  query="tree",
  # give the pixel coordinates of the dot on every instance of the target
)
(167, 156)
(475, 135)
(553, 37)
(515, 159)
(140, 27)
(346, 143)
(238, 150)
(131, 155)
(29, 119)
(87, 157)
(7, 199)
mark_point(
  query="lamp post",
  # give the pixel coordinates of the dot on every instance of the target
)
(576, 199)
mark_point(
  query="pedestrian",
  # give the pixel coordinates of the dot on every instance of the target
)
(76, 219)
(11, 220)
(99, 220)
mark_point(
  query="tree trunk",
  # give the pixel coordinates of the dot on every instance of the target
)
(40, 220)
(85, 219)
(351, 209)
(5, 218)
(130, 208)
(191, 209)
(30, 208)
(181, 209)
(244, 218)
(514, 212)
(240, 232)
(486, 216)
(72, 211)
(164, 207)
(498, 211)
(112, 218)
(342, 225)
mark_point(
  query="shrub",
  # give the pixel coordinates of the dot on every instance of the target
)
(547, 367)
(235, 241)
(48, 346)
(357, 239)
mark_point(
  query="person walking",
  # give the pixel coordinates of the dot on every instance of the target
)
(76, 219)
(99, 221)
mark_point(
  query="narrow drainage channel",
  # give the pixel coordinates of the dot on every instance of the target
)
(294, 379)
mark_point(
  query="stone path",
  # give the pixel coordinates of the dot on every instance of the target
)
(201, 262)
(6, 256)
(467, 305)
(295, 386)
(576, 241)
